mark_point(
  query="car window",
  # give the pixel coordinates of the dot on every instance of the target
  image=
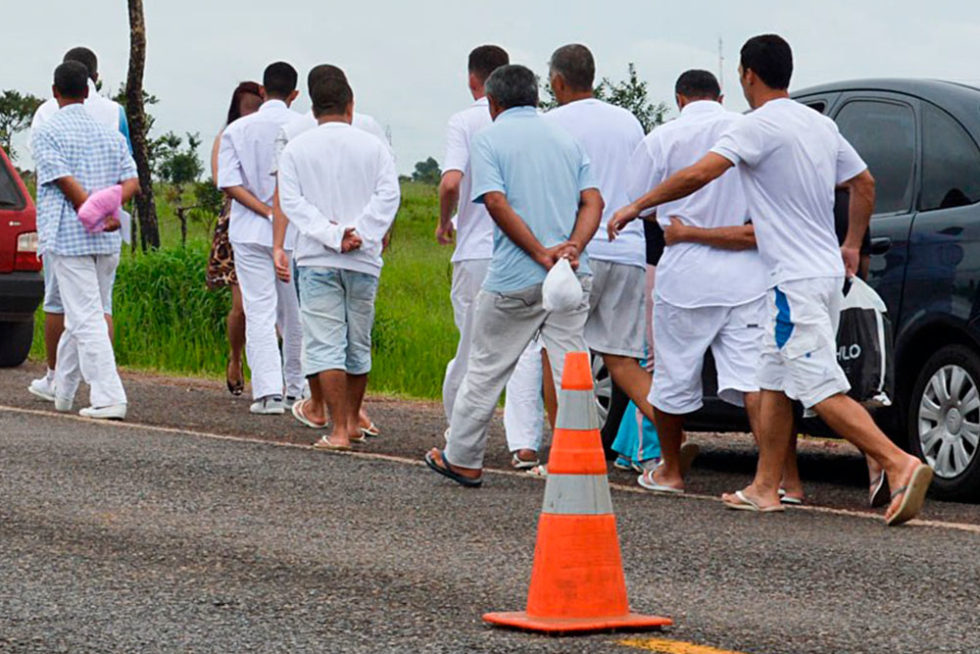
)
(883, 133)
(950, 162)
(817, 105)
(10, 197)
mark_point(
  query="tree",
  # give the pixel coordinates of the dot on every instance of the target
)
(630, 94)
(427, 171)
(178, 167)
(138, 127)
(16, 111)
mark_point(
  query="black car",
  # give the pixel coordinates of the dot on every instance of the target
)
(920, 139)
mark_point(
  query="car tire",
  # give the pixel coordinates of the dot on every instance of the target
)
(943, 421)
(15, 342)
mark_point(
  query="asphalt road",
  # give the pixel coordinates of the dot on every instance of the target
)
(149, 538)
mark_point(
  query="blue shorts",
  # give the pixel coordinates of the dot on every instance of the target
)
(337, 315)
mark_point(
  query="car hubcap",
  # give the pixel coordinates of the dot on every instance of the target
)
(949, 421)
(603, 388)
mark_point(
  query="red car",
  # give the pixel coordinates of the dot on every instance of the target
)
(21, 283)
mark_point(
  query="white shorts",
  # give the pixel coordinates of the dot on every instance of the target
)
(799, 352)
(683, 336)
(52, 291)
(615, 324)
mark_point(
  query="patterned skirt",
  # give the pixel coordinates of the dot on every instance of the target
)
(221, 263)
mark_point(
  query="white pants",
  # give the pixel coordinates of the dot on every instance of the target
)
(269, 302)
(523, 404)
(85, 350)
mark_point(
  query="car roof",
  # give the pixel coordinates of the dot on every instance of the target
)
(962, 99)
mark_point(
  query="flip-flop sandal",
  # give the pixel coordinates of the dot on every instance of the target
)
(913, 495)
(646, 481)
(689, 452)
(357, 440)
(539, 471)
(297, 412)
(879, 491)
(371, 430)
(518, 463)
(789, 499)
(326, 444)
(449, 473)
(623, 463)
(745, 503)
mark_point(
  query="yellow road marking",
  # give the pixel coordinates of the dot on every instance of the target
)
(664, 646)
(391, 458)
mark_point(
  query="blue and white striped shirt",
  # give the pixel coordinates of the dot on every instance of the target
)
(73, 144)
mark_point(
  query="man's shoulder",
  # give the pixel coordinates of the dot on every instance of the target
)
(472, 119)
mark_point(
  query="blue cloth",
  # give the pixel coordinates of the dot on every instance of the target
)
(784, 319)
(73, 144)
(542, 170)
(628, 438)
(124, 129)
(336, 311)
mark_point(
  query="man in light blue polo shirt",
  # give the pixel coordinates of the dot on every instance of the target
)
(535, 182)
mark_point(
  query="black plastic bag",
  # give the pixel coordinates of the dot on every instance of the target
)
(864, 345)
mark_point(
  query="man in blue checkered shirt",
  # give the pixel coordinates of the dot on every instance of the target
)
(76, 155)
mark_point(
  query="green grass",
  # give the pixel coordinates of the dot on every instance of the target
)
(166, 319)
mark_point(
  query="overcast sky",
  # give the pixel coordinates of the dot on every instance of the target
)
(407, 60)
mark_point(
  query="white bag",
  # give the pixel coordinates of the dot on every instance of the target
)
(561, 291)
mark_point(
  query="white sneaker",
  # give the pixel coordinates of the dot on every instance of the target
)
(271, 405)
(111, 412)
(290, 401)
(43, 388)
(63, 404)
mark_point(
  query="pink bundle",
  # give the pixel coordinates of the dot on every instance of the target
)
(99, 206)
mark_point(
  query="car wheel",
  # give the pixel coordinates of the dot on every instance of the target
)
(603, 385)
(944, 421)
(15, 342)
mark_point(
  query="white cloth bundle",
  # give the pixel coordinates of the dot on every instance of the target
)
(561, 291)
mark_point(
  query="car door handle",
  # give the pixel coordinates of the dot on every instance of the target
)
(881, 245)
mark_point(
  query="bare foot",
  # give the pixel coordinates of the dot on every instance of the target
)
(470, 473)
(902, 481)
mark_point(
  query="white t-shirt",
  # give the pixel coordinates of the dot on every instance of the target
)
(474, 226)
(609, 135)
(305, 122)
(692, 275)
(331, 178)
(245, 156)
(791, 158)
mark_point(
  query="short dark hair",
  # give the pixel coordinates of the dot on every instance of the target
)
(279, 80)
(576, 66)
(71, 80)
(770, 58)
(698, 84)
(329, 90)
(85, 57)
(513, 86)
(486, 59)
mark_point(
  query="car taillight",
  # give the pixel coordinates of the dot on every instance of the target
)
(26, 256)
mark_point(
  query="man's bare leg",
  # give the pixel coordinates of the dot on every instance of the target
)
(670, 430)
(54, 325)
(774, 429)
(550, 394)
(333, 385)
(632, 379)
(356, 385)
(852, 421)
(315, 408)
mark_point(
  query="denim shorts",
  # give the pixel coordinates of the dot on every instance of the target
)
(337, 314)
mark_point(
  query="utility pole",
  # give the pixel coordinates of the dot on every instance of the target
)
(721, 64)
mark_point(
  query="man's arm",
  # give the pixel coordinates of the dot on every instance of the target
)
(244, 197)
(741, 237)
(448, 202)
(72, 190)
(378, 216)
(231, 181)
(679, 185)
(514, 227)
(587, 221)
(862, 190)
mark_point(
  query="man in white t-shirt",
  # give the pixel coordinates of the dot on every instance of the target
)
(244, 160)
(790, 159)
(711, 282)
(113, 116)
(468, 223)
(609, 134)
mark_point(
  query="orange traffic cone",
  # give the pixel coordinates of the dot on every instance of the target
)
(577, 583)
